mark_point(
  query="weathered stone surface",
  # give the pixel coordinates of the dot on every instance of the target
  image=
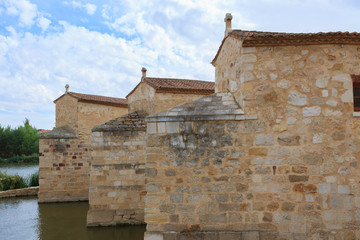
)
(289, 140)
(258, 151)
(313, 159)
(264, 140)
(267, 99)
(298, 178)
(311, 111)
(297, 99)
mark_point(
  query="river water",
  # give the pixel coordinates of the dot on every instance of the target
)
(23, 170)
(25, 219)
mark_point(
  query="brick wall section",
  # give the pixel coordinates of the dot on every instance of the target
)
(64, 167)
(117, 178)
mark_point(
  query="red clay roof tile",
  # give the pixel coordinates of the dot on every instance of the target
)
(181, 86)
(263, 39)
(96, 99)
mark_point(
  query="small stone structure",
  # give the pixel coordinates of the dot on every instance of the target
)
(64, 166)
(117, 177)
(272, 155)
(117, 174)
(158, 94)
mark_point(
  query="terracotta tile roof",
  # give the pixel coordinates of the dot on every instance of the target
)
(181, 86)
(96, 99)
(262, 39)
(355, 78)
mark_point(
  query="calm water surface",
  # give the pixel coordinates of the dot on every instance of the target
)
(24, 218)
(24, 170)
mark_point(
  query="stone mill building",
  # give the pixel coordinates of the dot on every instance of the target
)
(272, 154)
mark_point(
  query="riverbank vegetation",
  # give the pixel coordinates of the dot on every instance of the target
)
(8, 182)
(19, 145)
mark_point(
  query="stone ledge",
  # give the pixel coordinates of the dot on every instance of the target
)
(31, 191)
(68, 199)
(223, 235)
(134, 121)
(64, 132)
(216, 107)
(232, 117)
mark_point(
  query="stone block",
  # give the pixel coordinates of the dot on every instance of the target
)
(264, 140)
(258, 151)
(298, 178)
(289, 140)
(311, 111)
(336, 202)
(153, 236)
(172, 127)
(297, 99)
(151, 128)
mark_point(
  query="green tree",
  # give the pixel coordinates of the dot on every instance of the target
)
(22, 140)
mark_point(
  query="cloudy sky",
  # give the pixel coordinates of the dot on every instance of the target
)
(99, 46)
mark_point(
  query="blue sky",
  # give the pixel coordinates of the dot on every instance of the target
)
(99, 47)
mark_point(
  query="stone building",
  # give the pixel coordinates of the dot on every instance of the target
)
(273, 154)
(65, 152)
(117, 177)
(158, 94)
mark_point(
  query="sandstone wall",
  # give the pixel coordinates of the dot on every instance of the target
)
(142, 98)
(164, 101)
(90, 115)
(292, 173)
(117, 182)
(64, 169)
(145, 98)
(66, 112)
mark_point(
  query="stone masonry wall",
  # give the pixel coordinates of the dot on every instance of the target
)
(117, 178)
(90, 115)
(235, 177)
(64, 170)
(147, 99)
(66, 112)
(293, 173)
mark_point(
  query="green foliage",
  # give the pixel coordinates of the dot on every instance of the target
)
(8, 182)
(33, 180)
(33, 158)
(19, 141)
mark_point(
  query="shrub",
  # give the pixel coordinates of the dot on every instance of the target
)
(8, 182)
(33, 158)
(33, 179)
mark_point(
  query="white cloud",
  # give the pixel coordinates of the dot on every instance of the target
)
(89, 8)
(26, 11)
(43, 23)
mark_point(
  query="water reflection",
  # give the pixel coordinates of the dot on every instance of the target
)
(25, 219)
(19, 219)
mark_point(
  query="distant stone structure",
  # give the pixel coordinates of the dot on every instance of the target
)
(274, 154)
(117, 177)
(158, 94)
(65, 159)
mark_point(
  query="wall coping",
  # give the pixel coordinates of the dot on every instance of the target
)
(134, 121)
(215, 107)
(30, 191)
(63, 132)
